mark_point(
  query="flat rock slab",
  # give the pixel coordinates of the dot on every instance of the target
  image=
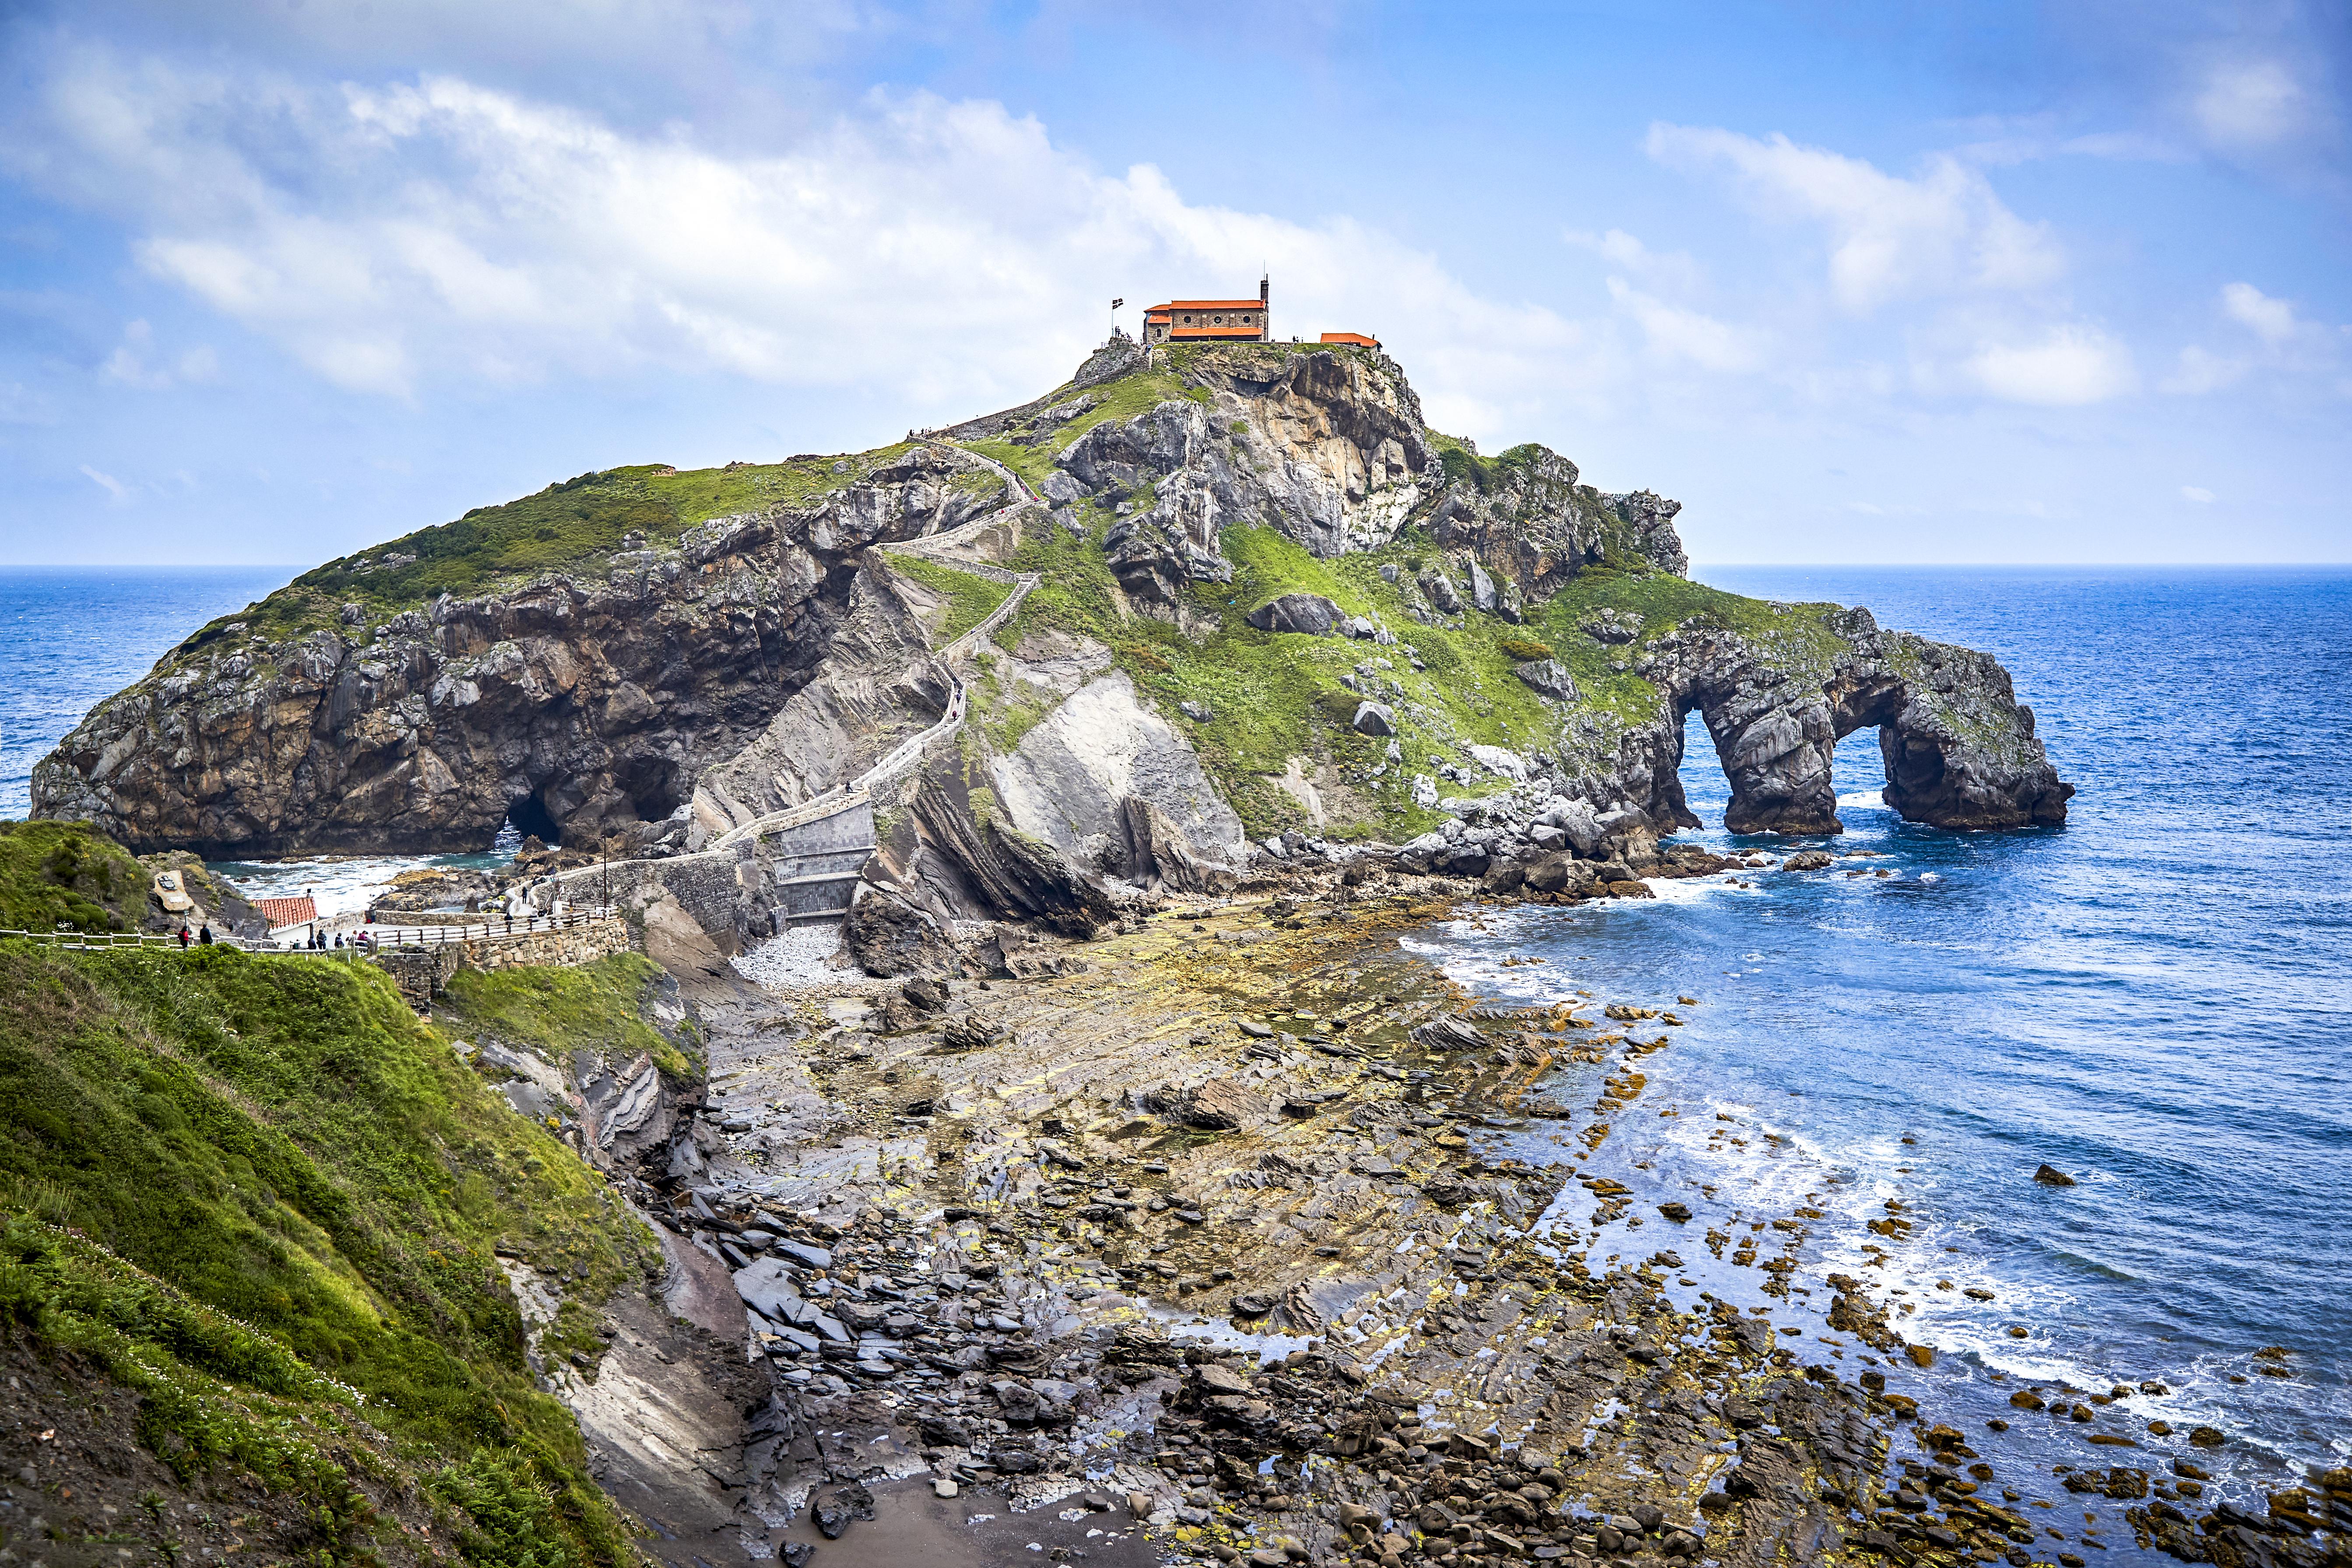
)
(913, 1524)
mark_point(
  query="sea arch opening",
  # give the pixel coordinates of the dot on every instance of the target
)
(1780, 766)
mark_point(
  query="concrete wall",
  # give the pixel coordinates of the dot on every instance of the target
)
(804, 872)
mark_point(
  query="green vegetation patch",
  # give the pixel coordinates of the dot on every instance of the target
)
(559, 1009)
(1275, 697)
(1135, 393)
(971, 598)
(1798, 636)
(571, 524)
(68, 872)
(279, 1145)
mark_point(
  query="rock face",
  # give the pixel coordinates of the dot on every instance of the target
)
(1959, 749)
(664, 694)
(583, 702)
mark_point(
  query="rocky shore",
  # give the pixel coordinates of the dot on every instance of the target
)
(1200, 1246)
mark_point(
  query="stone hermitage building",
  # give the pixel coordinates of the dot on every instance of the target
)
(1212, 321)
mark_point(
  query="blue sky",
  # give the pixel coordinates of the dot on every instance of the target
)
(2060, 282)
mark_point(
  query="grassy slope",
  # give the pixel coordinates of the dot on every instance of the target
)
(1273, 697)
(574, 525)
(971, 598)
(68, 871)
(299, 1189)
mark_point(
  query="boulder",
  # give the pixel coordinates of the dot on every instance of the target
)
(1561, 873)
(1311, 614)
(2050, 1176)
(1438, 589)
(1808, 861)
(1449, 1034)
(1548, 677)
(1375, 718)
(1219, 1105)
(1482, 596)
(889, 937)
(1611, 626)
(1501, 762)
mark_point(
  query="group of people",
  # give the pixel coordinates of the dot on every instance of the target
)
(202, 937)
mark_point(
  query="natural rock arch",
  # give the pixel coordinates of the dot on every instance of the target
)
(1959, 750)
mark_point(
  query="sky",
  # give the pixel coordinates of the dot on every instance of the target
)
(1885, 284)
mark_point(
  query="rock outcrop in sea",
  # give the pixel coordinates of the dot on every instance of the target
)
(1264, 605)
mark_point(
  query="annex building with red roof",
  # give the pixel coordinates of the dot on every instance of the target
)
(283, 912)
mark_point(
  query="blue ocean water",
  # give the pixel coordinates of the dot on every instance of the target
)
(72, 634)
(2156, 999)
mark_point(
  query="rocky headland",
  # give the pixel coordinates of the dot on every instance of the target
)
(1269, 603)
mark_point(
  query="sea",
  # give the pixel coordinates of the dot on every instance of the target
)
(2155, 999)
(71, 636)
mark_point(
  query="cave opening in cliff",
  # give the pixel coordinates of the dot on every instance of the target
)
(531, 818)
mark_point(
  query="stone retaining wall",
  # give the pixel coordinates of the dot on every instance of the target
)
(419, 972)
(569, 945)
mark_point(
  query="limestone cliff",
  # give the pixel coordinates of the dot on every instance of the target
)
(1261, 596)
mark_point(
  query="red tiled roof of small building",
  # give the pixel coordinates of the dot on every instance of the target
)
(282, 912)
(1356, 338)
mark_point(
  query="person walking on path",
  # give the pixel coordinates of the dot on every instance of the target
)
(183, 939)
(204, 937)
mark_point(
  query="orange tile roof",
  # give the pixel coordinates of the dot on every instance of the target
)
(1356, 338)
(1207, 305)
(282, 912)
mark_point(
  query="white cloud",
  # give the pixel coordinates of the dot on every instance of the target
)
(2285, 343)
(2249, 104)
(2071, 365)
(1672, 270)
(131, 363)
(2273, 320)
(2197, 493)
(1889, 237)
(2201, 371)
(441, 230)
(113, 486)
(1677, 333)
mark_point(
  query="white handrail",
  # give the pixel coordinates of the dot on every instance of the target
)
(383, 939)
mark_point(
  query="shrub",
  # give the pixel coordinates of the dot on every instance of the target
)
(1523, 649)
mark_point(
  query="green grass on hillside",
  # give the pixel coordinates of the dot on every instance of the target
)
(1273, 697)
(68, 872)
(1122, 399)
(971, 598)
(303, 1190)
(571, 523)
